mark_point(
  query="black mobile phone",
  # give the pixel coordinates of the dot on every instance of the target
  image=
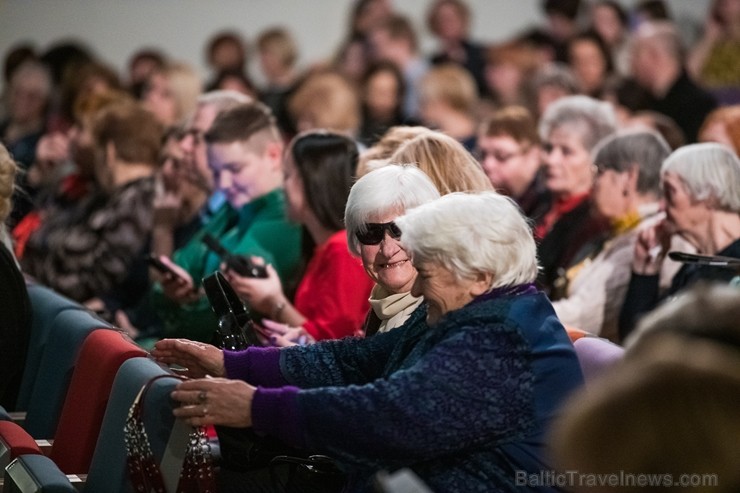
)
(241, 264)
(161, 266)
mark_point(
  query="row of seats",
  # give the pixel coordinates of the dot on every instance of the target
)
(80, 379)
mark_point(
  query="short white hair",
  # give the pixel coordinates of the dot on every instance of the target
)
(391, 188)
(593, 119)
(710, 171)
(470, 234)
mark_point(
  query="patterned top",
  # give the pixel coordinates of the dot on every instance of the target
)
(464, 403)
(86, 250)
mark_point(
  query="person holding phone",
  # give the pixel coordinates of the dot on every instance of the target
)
(244, 154)
(331, 298)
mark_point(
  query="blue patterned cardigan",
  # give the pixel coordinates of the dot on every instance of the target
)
(464, 403)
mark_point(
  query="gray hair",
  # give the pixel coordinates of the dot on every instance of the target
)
(664, 35)
(470, 234)
(644, 149)
(555, 74)
(593, 119)
(391, 188)
(710, 171)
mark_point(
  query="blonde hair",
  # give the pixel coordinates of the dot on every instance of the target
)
(729, 118)
(185, 85)
(327, 100)
(445, 161)
(278, 40)
(451, 85)
(386, 146)
(8, 170)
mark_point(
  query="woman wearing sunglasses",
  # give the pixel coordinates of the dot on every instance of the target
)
(462, 393)
(330, 301)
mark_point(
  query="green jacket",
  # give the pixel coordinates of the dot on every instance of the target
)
(259, 228)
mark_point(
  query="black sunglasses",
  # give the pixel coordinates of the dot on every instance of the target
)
(375, 232)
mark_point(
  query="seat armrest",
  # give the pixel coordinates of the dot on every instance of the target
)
(45, 446)
(18, 417)
(78, 481)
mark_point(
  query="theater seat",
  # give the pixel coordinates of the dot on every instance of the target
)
(69, 330)
(46, 304)
(35, 474)
(101, 355)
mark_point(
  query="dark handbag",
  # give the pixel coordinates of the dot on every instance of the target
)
(145, 473)
(241, 449)
(235, 326)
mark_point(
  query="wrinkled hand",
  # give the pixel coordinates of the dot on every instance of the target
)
(200, 359)
(282, 335)
(215, 401)
(260, 294)
(180, 287)
(651, 248)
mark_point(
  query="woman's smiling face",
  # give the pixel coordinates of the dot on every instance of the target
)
(387, 263)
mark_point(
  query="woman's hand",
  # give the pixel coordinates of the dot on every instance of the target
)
(261, 294)
(198, 358)
(282, 335)
(215, 401)
(651, 247)
(178, 287)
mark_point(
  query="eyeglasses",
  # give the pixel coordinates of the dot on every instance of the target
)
(375, 232)
(498, 155)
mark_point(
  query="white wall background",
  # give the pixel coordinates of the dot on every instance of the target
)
(116, 28)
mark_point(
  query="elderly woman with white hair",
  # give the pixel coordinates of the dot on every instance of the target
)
(569, 131)
(462, 393)
(701, 188)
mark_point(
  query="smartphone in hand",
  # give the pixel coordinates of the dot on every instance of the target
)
(163, 268)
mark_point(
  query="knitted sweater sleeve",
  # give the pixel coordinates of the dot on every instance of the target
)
(430, 409)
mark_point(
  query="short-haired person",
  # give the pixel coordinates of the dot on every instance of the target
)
(188, 183)
(569, 130)
(331, 298)
(701, 190)
(374, 203)
(509, 152)
(171, 93)
(626, 192)
(462, 393)
(88, 250)
(245, 152)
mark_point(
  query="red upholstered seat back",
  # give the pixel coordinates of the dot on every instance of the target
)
(103, 352)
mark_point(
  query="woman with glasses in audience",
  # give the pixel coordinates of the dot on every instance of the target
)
(331, 299)
(462, 393)
(509, 152)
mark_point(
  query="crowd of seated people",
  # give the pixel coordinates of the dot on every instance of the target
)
(436, 229)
